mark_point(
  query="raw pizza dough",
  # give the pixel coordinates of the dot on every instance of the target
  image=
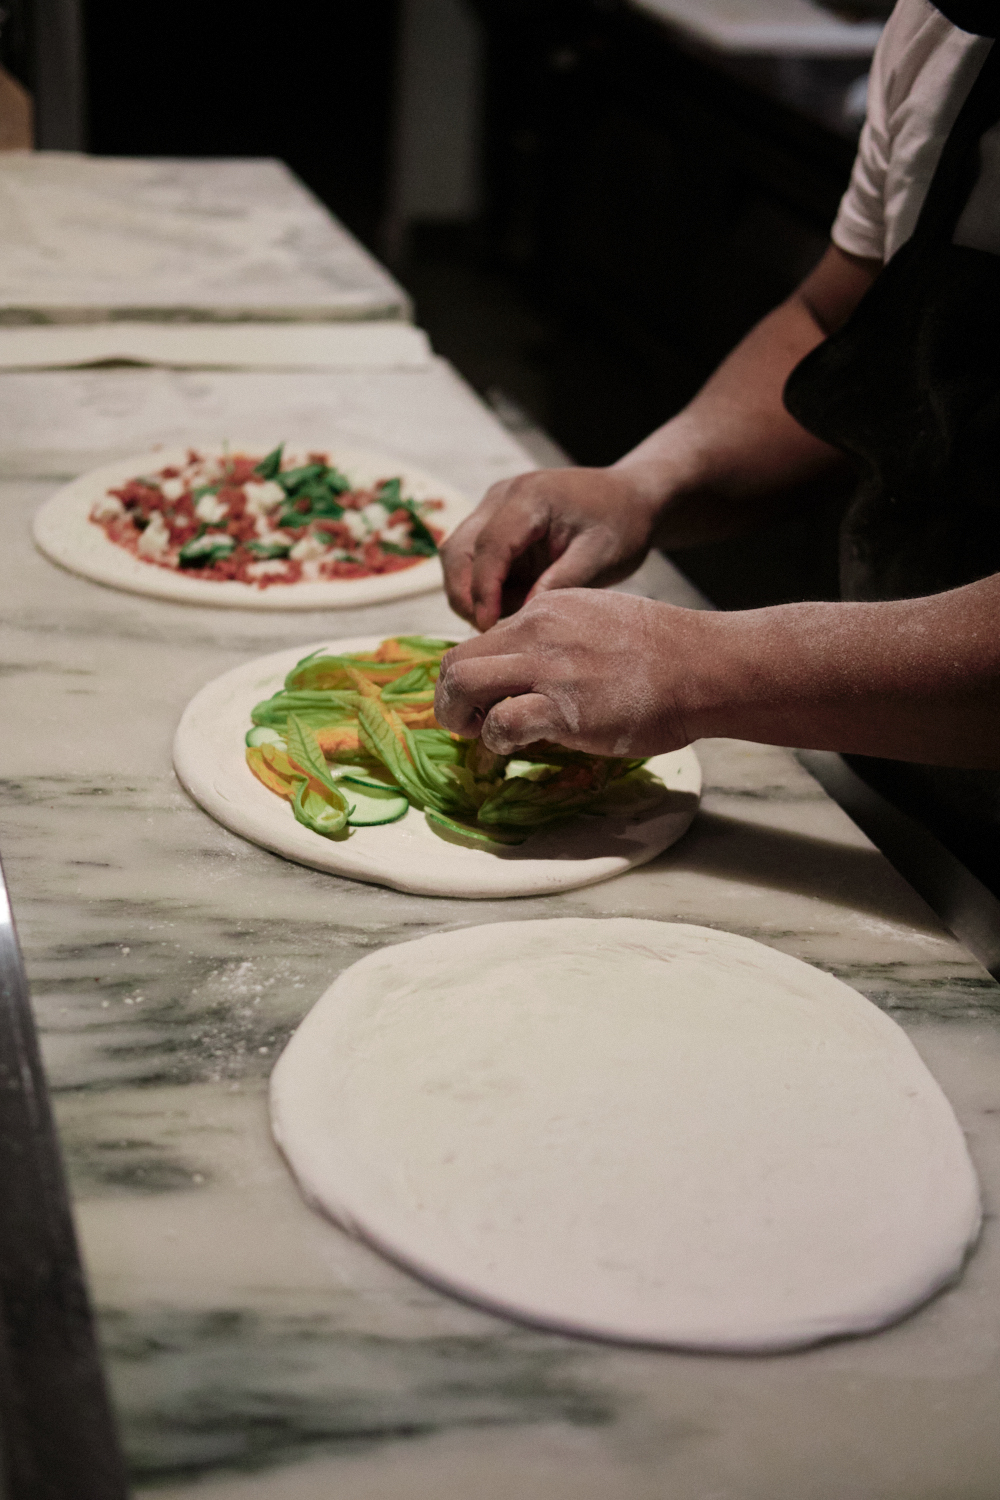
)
(635, 1130)
(209, 758)
(64, 531)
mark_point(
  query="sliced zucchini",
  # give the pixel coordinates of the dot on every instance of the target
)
(371, 807)
(260, 734)
(358, 777)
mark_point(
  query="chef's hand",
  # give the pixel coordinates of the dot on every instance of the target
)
(598, 672)
(555, 529)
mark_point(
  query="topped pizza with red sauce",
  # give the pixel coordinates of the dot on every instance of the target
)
(265, 521)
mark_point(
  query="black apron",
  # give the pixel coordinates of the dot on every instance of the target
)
(910, 387)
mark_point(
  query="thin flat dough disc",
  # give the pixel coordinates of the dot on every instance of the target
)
(64, 531)
(641, 1131)
(210, 760)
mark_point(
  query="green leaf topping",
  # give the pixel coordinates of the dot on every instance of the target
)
(209, 547)
(423, 539)
(270, 549)
(303, 750)
(390, 494)
(379, 738)
(371, 715)
(270, 467)
(324, 812)
(463, 833)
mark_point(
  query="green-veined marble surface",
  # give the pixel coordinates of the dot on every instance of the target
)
(255, 1352)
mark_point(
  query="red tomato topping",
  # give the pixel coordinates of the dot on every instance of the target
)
(241, 469)
(143, 500)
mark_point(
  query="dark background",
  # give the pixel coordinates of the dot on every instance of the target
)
(310, 83)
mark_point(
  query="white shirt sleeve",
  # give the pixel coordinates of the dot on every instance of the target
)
(922, 71)
(859, 227)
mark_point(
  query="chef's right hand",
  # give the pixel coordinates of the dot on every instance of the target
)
(554, 529)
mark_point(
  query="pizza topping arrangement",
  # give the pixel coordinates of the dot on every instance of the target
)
(266, 521)
(352, 740)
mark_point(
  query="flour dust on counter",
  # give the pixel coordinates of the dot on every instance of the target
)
(638, 1131)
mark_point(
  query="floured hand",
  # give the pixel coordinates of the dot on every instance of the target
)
(555, 529)
(612, 674)
(593, 671)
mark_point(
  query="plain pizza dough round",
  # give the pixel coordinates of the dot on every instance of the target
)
(210, 761)
(64, 531)
(636, 1130)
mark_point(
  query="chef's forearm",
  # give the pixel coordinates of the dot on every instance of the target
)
(734, 458)
(912, 680)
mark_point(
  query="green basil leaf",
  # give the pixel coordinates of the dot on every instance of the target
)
(423, 539)
(270, 467)
(291, 479)
(338, 482)
(209, 547)
(268, 550)
(390, 494)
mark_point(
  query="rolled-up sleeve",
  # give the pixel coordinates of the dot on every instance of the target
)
(859, 227)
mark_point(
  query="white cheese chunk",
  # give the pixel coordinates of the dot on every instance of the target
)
(266, 567)
(375, 515)
(210, 508)
(262, 495)
(108, 508)
(307, 547)
(172, 489)
(398, 535)
(155, 539)
(356, 524)
(270, 536)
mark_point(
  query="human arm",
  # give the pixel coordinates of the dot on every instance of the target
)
(915, 679)
(730, 461)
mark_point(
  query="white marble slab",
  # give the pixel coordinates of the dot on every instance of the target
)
(87, 239)
(255, 1352)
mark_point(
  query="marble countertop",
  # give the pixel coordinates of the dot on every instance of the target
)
(255, 1352)
(87, 239)
(779, 28)
(386, 344)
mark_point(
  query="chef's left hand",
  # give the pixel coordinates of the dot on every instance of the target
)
(590, 670)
